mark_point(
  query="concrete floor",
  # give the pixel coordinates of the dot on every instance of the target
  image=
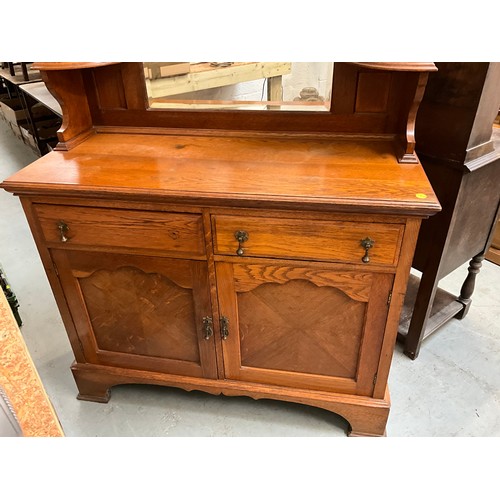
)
(452, 389)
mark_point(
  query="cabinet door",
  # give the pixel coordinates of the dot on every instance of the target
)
(303, 326)
(139, 312)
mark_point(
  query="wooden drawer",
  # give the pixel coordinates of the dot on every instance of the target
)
(173, 233)
(337, 241)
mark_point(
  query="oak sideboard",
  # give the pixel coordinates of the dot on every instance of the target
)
(261, 253)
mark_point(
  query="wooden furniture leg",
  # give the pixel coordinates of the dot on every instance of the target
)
(421, 312)
(90, 386)
(365, 416)
(433, 306)
(468, 286)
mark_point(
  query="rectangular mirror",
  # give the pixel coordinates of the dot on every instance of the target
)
(277, 86)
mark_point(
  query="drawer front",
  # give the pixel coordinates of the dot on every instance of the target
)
(173, 233)
(337, 241)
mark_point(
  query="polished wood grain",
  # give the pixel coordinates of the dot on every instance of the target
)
(297, 334)
(116, 87)
(152, 198)
(212, 280)
(312, 240)
(107, 82)
(382, 121)
(345, 175)
(68, 89)
(365, 416)
(249, 276)
(138, 305)
(178, 234)
(352, 289)
(53, 278)
(393, 90)
(296, 340)
(139, 312)
(408, 154)
(396, 303)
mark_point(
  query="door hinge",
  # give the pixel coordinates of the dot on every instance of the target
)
(55, 268)
(389, 298)
(375, 379)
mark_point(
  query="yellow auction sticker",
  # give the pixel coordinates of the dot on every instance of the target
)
(422, 196)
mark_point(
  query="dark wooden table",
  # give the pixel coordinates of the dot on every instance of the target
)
(461, 158)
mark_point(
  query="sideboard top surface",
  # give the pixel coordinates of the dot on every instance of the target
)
(338, 175)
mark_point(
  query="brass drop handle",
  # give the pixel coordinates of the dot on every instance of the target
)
(367, 243)
(224, 328)
(241, 237)
(208, 327)
(63, 229)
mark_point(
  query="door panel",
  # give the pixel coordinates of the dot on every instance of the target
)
(139, 312)
(139, 304)
(298, 335)
(303, 326)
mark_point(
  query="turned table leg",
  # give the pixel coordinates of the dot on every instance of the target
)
(469, 284)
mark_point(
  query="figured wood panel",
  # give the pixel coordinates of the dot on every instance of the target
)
(139, 312)
(357, 286)
(178, 233)
(308, 239)
(291, 327)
